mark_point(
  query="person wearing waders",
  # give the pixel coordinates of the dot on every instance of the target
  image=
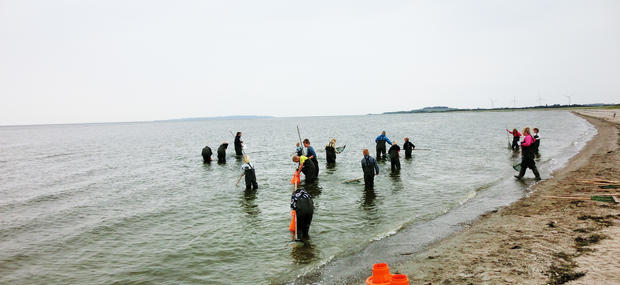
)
(394, 153)
(408, 146)
(536, 143)
(311, 155)
(307, 168)
(299, 150)
(370, 168)
(206, 154)
(516, 136)
(247, 170)
(238, 145)
(330, 151)
(381, 140)
(527, 155)
(303, 205)
(221, 153)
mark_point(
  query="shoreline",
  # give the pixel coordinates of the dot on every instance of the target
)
(539, 239)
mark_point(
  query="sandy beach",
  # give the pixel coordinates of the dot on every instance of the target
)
(557, 235)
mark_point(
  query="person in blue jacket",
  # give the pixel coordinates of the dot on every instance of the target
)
(381, 140)
(311, 154)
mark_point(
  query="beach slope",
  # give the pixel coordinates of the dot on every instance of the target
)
(554, 236)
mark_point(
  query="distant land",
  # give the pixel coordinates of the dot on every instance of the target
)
(217, 118)
(439, 109)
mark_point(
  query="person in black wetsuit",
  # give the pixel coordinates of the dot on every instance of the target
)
(381, 140)
(238, 145)
(307, 168)
(408, 146)
(394, 153)
(248, 171)
(221, 153)
(206, 154)
(370, 168)
(330, 151)
(536, 143)
(311, 155)
(303, 205)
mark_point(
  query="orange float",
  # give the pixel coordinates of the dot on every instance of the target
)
(291, 227)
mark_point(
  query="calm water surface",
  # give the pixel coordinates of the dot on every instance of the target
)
(133, 202)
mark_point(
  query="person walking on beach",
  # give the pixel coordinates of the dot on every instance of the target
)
(206, 154)
(381, 140)
(527, 155)
(302, 204)
(238, 145)
(516, 136)
(247, 170)
(330, 151)
(221, 153)
(394, 153)
(311, 155)
(408, 146)
(370, 168)
(306, 166)
(536, 143)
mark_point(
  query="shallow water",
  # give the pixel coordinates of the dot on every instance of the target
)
(133, 202)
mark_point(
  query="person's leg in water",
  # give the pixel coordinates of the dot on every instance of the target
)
(397, 163)
(524, 165)
(369, 181)
(535, 170)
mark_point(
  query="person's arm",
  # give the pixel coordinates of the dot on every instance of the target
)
(376, 167)
(377, 139)
(527, 141)
(388, 140)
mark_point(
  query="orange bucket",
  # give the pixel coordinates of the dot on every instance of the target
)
(399, 279)
(380, 275)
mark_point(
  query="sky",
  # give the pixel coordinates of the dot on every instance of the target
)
(140, 60)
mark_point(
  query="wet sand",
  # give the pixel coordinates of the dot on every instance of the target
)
(545, 238)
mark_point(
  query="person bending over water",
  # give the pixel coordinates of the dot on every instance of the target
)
(516, 135)
(370, 168)
(306, 166)
(206, 154)
(408, 146)
(303, 205)
(381, 140)
(221, 153)
(527, 155)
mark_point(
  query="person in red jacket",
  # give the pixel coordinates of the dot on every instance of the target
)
(516, 135)
(527, 155)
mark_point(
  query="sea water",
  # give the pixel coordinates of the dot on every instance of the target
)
(134, 202)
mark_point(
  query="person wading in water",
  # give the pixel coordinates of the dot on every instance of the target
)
(527, 155)
(370, 168)
(381, 140)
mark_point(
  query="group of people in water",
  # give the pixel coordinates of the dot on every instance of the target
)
(307, 163)
(529, 149)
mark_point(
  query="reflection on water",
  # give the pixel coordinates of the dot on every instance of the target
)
(303, 252)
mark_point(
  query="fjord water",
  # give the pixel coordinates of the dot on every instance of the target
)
(133, 202)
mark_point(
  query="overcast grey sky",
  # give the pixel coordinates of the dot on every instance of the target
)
(96, 61)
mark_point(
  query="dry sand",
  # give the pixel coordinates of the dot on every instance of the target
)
(540, 239)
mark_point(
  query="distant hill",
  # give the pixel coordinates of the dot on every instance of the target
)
(438, 109)
(426, 110)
